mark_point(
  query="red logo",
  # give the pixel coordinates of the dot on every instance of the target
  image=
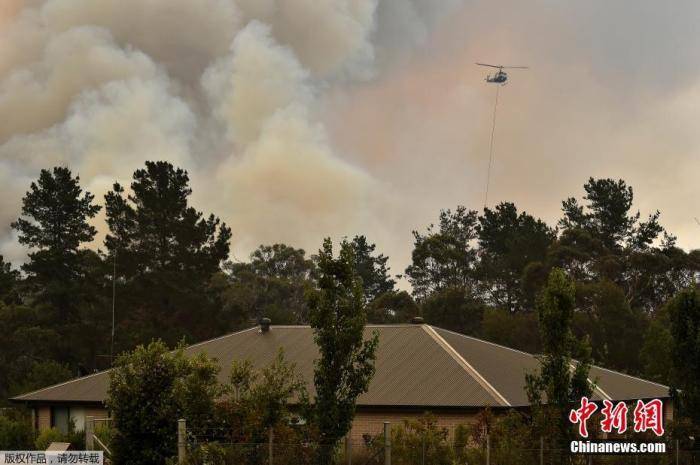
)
(614, 418)
(582, 415)
(647, 416)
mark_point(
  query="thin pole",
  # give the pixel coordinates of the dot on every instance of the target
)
(181, 441)
(89, 433)
(493, 132)
(488, 448)
(114, 294)
(678, 452)
(269, 446)
(387, 443)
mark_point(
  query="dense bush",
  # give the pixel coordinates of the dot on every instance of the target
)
(76, 438)
(150, 389)
(15, 431)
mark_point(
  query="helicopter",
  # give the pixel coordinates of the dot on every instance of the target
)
(500, 77)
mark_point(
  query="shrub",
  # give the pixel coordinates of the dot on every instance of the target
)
(46, 437)
(421, 441)
(15, 432)
(76, 438)
(150, 389)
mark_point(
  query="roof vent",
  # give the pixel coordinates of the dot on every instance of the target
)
(417, 320)
(265, 324)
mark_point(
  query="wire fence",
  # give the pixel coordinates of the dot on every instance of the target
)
(302, 454)
(215, 449)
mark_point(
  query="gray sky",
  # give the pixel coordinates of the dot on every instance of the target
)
(299, 119)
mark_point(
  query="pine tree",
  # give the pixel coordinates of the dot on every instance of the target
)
(54, 223)
(166, 253)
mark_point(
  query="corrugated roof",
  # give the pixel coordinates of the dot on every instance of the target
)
(417, 366)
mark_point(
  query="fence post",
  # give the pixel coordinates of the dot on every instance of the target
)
(89, 433)
(348, 449)
(541, 450)
(270, 438)
(678, 452)
(387, 443)
(488, 448)
(181, 441)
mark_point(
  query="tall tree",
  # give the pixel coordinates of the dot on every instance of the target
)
(392, 307)
(614, 327)
(444, 257)
(508, 242)
(63, 281)
(166, 253)
(372, 269)
(54, 223)
(455, 309)
(608, 217)
(273, 284)
(9, 279)
(346, 363)
(684, 315)
(556, 380)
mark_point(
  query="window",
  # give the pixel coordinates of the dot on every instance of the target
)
(60, 417)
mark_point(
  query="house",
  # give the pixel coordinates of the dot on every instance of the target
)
(419, 368)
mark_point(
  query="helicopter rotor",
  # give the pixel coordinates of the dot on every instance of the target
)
(502, 66)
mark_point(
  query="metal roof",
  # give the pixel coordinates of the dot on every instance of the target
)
(417, 366)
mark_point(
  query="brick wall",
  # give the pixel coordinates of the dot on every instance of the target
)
(43, 414)
(44, 417)
(372, 423)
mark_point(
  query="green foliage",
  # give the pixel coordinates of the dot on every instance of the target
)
(150, 388)
(9, 278)
(372, 270)
(24, 364)
(167, 253)
(655, 354)
(273, 284)
(346, 363)
(54, 223)
(55, 214)
(37, 374)
(48, 436)
(684, 315)
(516, 330)
(392, 307)
(74, 437)
(262, 399)
(444, 257)
(421, 441)
(16, 431)
(275, 388)
(556, 386)
(453, 308)
(508, 242)
(607, 216)
(614, 328)
(259, 402)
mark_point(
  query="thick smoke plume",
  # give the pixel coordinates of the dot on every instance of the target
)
(299, 119)
(228, 89)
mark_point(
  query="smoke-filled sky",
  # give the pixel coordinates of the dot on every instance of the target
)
(299, 119)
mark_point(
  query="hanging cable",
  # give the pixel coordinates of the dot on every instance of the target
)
(493, 132)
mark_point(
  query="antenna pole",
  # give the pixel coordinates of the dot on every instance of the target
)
(114, 293)
(493, 131)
